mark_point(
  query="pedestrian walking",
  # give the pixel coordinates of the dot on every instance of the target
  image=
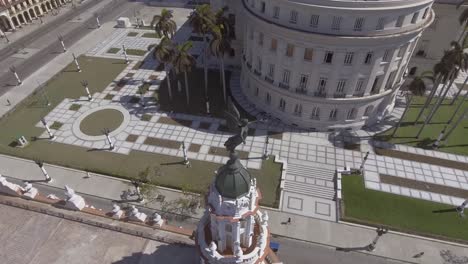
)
(289, 221)
(8, 102)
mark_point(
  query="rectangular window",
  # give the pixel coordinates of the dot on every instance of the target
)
(359, 85)
(426, 11)
(271, 71)
(293, 18)
(314, 20)
(415, 17)
(260, 39)
(290, 50)
(276, 11)
(336, 23)
(341, 85)
(328, 57)
(315, 113)
(286, 75)
(257, 91)
(333, 114)
(375, 84)
(268, 98)
(381, 23)
(401, 51)
(282, 104)
(391, 79)
(348, 60)
(303, 81)
(308, 54)
(386, 56)
(262, 7)
(274, 45)
(259, 64)
(298, 110)
(359, 24)
(368, 59)
(400, 21)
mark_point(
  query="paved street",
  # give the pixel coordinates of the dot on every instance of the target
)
(42, 45)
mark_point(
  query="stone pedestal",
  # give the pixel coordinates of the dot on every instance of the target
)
(124, 22)
(9, 188)
(157, 220)
(73, 201)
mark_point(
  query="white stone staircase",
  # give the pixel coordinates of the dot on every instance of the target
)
(310, 180)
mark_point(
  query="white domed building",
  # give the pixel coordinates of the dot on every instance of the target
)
(233, 230)
(322, 64)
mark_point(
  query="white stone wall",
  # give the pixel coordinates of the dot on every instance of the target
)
(390, 48)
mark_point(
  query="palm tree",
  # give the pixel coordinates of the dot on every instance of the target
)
(441, 72)
(417, 87)
(164, 53)
(202, 21)
(221, 43)
(163, 23)
(458, 61)
(183, 63)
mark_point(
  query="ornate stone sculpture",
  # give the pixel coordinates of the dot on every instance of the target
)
(157, 219)
(265, 218)
(73, 200)
(135, 215)
(213, 248)
(9, 188)
(116, 211)
(29, 192)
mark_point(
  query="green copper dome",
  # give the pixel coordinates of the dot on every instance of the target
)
(233, 180)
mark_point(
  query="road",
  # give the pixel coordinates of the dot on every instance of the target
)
(43, 43)
(299, 252)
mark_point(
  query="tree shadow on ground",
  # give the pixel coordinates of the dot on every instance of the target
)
(175, 253)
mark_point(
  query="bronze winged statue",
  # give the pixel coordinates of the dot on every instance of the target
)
(236, 124)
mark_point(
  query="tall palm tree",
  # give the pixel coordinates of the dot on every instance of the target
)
(458, 60)
(202, 21)
(417, 87)
(164, 52)
(441, 72)
(164, 24)
(183, 63)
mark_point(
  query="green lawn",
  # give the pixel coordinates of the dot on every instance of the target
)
(113, 50)
(100, 72)
(150, 35)
(136, 52)
(94, 124)
(457, 142)
(132, 34)
(400, 212)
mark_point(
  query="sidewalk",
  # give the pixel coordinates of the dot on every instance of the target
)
(392, 245)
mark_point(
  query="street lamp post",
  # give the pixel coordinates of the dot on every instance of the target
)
(106, 132)
(78, 68)
(85, 85)
(265, 150)
(125, 54)
(51, 135)
(60, 37)
(439, 138)
(41, 166)
(97, 20)
(184, 151)
(361, 168)
(13, 70)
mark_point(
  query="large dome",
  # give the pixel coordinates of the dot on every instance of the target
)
(233, 180)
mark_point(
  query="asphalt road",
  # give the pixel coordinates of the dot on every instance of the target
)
(299, 252)
(44, 40)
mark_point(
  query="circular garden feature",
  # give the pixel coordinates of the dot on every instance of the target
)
(93, 124)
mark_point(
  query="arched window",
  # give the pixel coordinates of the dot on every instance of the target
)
(282, 104)
(368, 110)
(351, 114)
(268, 98)
(298, 110)
(333, 114)
(315, 113)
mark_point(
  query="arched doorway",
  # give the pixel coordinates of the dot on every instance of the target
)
(21, 19)
(26, 16)
(43, 8)
(31, 13)
(5, 24)
(49, 7)
(412, 71)
(38, 12)
(15, 21)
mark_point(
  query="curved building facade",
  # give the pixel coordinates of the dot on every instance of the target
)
(321, 64)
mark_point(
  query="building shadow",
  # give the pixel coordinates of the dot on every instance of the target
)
(445, 210)
(175, 253)
(349, 249)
